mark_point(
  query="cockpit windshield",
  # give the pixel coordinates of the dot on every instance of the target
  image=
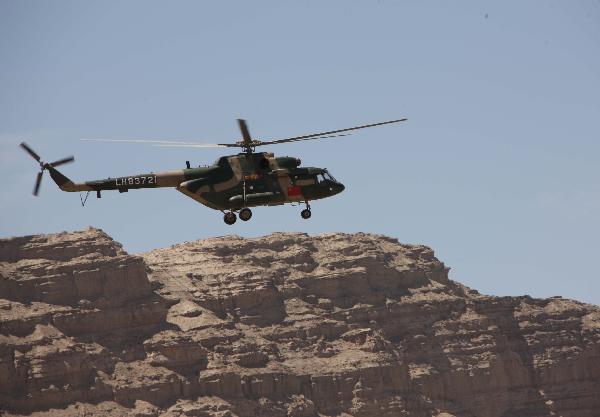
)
(325, 177)
(328, 176)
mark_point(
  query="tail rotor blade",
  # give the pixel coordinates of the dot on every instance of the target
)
(43, 166)
(62, 161)
(38, 182)
(30, 151)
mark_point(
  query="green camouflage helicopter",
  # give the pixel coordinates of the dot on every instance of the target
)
(234, 183)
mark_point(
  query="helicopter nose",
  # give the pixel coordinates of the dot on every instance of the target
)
(338, 187)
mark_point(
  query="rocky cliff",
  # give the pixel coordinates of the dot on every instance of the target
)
(283, 325)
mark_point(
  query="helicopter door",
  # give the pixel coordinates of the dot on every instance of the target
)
(248, 176)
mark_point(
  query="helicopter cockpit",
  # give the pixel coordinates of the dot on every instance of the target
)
(325, 176)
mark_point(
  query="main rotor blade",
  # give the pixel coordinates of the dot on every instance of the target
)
(62, 161)
(30, 151)
(158, 142)
(197, 145)
(245, 132)
(299, 140)
(324, 134)
(38, 182)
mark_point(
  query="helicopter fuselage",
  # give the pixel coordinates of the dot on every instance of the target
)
(231, 183)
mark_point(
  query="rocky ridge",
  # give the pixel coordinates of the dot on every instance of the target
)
(283, 325)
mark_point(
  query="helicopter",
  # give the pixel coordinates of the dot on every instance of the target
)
(232, 184)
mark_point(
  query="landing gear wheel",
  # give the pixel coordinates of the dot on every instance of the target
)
(245, 214)
(230, 218)
(305, 214)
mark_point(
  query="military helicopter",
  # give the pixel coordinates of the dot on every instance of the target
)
(233, 184)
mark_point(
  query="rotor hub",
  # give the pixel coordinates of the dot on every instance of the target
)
(43, 165)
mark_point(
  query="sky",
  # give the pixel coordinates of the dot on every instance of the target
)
(496, 168)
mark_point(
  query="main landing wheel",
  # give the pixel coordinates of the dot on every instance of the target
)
(305, 214)
(245, 214)
(230, 218)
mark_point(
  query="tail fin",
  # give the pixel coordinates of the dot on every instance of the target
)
(63, 182)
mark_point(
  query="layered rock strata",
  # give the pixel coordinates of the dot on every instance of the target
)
(283, 325)
(72, 307)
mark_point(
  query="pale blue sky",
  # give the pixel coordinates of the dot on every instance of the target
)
(496, 169)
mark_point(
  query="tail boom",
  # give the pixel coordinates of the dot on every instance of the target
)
(122, 184)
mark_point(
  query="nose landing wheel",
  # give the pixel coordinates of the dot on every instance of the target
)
(245, 214)
(230, 217)
(306, 213)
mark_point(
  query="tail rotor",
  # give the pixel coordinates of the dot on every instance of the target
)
(43, 165)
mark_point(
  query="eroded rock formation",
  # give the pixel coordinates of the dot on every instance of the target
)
(283, 325)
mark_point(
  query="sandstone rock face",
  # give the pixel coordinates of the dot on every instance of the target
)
(72, 306)
(283, 325)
